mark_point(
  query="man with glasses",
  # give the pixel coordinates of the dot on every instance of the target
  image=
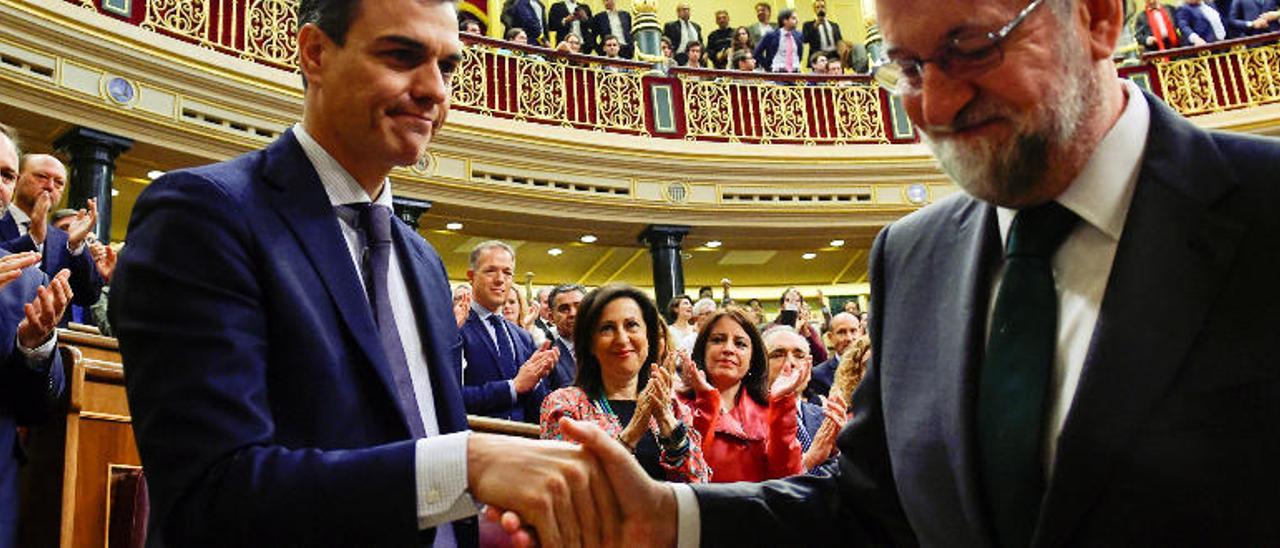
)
(1077, 350)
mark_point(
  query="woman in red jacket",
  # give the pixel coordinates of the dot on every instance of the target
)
(752, 437)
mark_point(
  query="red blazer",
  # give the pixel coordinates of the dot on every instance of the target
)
(751, 442)
(572, 402)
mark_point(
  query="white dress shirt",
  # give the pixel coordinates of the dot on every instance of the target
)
(615, 27)
(1215, 20)
(440, 460)
(686, 35)
(1100, 195)
(484, 314)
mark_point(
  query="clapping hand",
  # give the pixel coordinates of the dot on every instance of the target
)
(661, 390)
(824, 441)
(690, 376)
(39, 226)
(793, 375)
(80, 226)
(11, 265)
(104, 257)
(537, 367)
(461, 308)
(44, 312)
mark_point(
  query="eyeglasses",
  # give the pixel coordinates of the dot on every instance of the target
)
(963, 57)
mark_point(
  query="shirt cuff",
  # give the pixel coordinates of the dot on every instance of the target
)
(441, 463)
(688, 521)
(78, 250)
(514, 396)
(38, 358)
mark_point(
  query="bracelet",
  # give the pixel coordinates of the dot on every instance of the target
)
(677, 438)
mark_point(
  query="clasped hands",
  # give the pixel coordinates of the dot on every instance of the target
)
(42, 314)
(560, 494)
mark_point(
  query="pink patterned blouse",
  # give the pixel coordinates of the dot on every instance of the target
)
(573, 402)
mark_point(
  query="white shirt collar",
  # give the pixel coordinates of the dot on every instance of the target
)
(338, 183)
(19, 216)
(1101, 193)
(481, 311)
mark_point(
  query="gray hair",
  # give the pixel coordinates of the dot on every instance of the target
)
(487, 245)
(775, 331)
(704, 306)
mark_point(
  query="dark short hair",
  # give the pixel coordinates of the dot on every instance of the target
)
(758, 373)
(589, 378)
(560, 290)
(765, 4)
(693, 44)
(783, 15)
(674, 303)
(332, 17)
(512, 32)
(608, 37)
(740, 56)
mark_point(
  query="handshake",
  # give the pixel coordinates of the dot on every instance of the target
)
(560, 494)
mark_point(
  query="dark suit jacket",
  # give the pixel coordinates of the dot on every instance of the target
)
(813, 40)
(1190, 20)
(1243, 12)
(27, 396)
(768, 47)
(534, 24)
(824, 375)
(85, 281)
(600, 29)
(1174, 431)
(565, 371)
(673, 31)
(1142, 29)
(559, 11)
(485, 387)
(264, 407)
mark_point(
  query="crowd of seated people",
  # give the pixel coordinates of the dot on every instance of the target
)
(1161, 26)
(718, 394)
(775, 45)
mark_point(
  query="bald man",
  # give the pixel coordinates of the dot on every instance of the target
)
(39, 186)
(843, 331)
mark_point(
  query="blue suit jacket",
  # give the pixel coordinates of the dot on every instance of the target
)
(485, 386)
(1190, 20)
(27, 396)
(768, 47)
(1174, 429)
(566, 369)
(824, 375)
(264, 407)
(1244, 12)
(600, 29)
(86, 283)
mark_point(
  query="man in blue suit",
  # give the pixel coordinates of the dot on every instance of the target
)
(27, 227)
(32, 383)
(502, 371)
(564, 301)
(782, 49)
(289, 346)
(1077, 350)
(612, 21)
(843, 331)
(1201, 23)
(1250, 17)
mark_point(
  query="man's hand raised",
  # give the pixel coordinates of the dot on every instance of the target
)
(82, 224)
(11, 265)
(537, 367)
(39, 226)
(45, 311)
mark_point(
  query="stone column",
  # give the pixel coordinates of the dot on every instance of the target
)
(668, 268)
(93, 163)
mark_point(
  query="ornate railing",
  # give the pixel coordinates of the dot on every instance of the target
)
(537, 85)
(533, 84)
(264, 31)
(1213, 78)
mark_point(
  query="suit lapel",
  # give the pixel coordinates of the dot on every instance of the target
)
(300, 199)
(8, 227)
(436, 327)
(1147, 322)
(976, 242)
(476, 325)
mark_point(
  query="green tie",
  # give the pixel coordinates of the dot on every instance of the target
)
(1015, 373)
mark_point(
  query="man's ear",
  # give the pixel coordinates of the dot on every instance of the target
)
(1103, 21)
(313, 45)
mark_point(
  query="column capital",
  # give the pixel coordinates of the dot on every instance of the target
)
(669, 236)
(105, 146)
